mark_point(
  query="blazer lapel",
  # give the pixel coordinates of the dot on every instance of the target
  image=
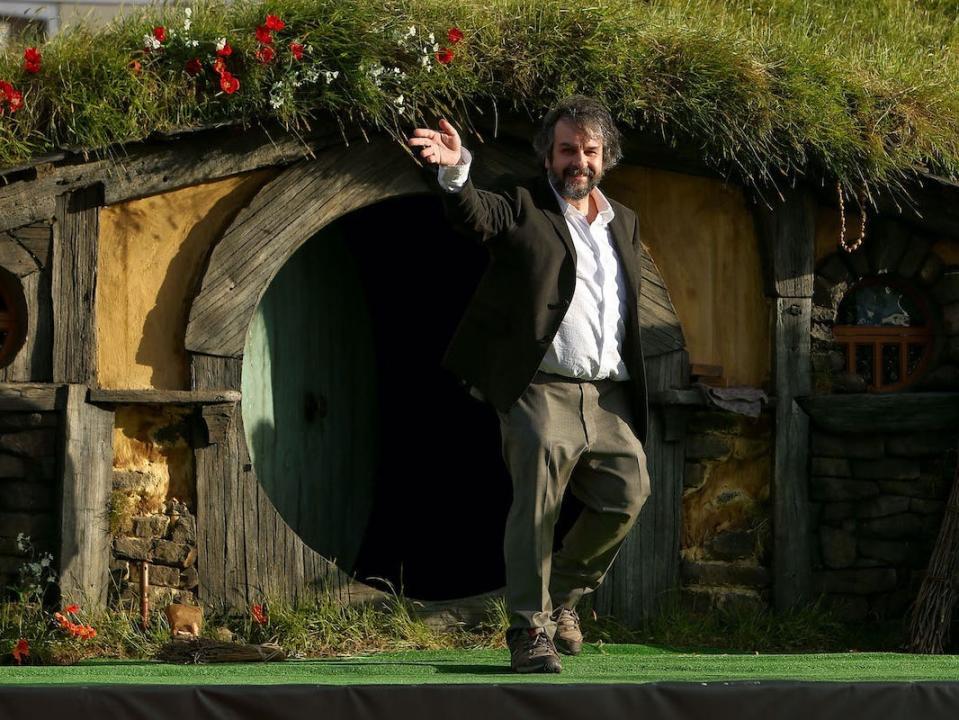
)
(547, 202)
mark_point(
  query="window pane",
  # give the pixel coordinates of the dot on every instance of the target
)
(914, 356)
(864, 357)
(879, 305)
(891, 370)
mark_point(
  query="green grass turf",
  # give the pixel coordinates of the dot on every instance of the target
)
(606, 664)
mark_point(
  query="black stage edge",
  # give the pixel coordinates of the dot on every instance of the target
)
(675, 701)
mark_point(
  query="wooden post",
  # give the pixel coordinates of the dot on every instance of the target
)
(86, 467)
(786, 234)
(75, 246)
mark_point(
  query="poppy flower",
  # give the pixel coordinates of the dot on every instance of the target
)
(444, 56)
(20, 650)
(259, 614)
(31, 60)
(265, 54)
(297, 50)
(225, 50)
(219, 66)
(228, 83)
(15, 100)
(454, 35)
(264, 35)
(193, 67)
(159, 32)
(72, 608)
(273, 22)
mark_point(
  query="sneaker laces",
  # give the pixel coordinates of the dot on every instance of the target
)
(567, 616)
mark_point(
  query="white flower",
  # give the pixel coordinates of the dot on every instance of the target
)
(186, 24)
(193, 43)
(308, 48)
(150, 42)
(432, 38)
(276, 102)
(331, 76)
(221, 43)
(412, 31)
(436, 47)
(399, 100)
(23, 542)
(45, 561)
(188, 12)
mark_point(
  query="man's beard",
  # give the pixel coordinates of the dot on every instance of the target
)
(566, 184)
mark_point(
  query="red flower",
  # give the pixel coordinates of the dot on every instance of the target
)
(21, 650)
(159, 32)
(219, 66)
(31, 60)
(259, 614)
(193, 67)
(264, 35)
(228, 83)
(225, 51)
(454, 35)
(72, 608)
(444, 56)
(273, 22)
(265, 54)
(297, 50)
(136, 67)
(15, 100)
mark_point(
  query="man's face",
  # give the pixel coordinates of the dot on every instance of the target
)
(576, 165)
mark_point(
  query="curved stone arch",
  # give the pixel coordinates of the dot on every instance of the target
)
(891, 250)
(248, 549)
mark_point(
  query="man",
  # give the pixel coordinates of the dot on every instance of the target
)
(551, 339)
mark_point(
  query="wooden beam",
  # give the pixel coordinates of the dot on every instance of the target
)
(24, 397)
(879, 413)
(86, 467)
(786, 234)
(74, 285)
(163, 397)
(142, 169)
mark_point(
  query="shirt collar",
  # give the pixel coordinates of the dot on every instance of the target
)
(605, 210)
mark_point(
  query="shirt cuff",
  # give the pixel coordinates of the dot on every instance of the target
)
(452, 178)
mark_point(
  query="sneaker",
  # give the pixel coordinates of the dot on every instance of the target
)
(531, 651)
(568, 638)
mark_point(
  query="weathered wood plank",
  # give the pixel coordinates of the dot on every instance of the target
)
(74, 285)
(33, 362)
(899, 412)
(786, 235)
(162, 397)
(15, 257)
(24, 397)
(143, 169)
(86, 465)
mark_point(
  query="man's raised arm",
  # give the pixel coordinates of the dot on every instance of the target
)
(478, 213)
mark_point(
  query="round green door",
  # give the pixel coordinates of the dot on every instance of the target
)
(309, 400)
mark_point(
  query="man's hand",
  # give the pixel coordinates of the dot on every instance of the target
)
(438, 148)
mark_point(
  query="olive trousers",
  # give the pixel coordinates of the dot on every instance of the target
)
(578, 433)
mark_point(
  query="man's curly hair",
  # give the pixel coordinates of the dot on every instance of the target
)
(590, 116)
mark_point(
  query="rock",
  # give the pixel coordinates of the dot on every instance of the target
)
(892, 605)
(848, 607)
(168, 552)
(832, 467)
(151, 526)
(838, 547)
(133, 548)
(703, 599)
(855, 581)
(223, 634)
(834, 270)
(29, 443)
(893, 527)
(723, 573)
(888, 552)
(913, 258)
(827, 295)
(927, 486)
(189, 578)
(706, 447)
(832, 489)
(848, 383)
(946, 289)
(184, 530)
(888, 469)
(930, 270)
(175, 507)
(926, 507)
(836, 511)
(733, 545)
(944, 377)
(950, 318)
(159, 575)
(920, 444)
(882, 506)
(888, 245)
(847, 446)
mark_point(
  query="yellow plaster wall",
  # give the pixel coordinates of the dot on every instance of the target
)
(152, 252)
(700, 234)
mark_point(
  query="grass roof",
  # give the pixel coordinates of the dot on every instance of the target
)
(865, 92)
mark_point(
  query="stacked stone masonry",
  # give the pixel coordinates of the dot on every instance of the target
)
(725, 535)
(877, 505)
(166, 541)
(28, 489)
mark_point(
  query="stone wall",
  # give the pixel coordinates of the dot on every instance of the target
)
(725, 534)
(877, 505)
(28, 488)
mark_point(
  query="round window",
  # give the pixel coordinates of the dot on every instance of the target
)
(885, 328)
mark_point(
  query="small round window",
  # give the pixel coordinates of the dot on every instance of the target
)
(13, 317)
(885, 328)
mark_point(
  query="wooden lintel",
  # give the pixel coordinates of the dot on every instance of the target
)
(28, 397)
(162, 397)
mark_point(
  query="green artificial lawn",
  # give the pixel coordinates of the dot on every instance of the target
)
(605, 664)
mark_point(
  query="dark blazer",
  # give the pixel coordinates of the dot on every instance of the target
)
(522, 297)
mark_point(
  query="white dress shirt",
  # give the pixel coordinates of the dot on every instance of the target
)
(589, 341)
